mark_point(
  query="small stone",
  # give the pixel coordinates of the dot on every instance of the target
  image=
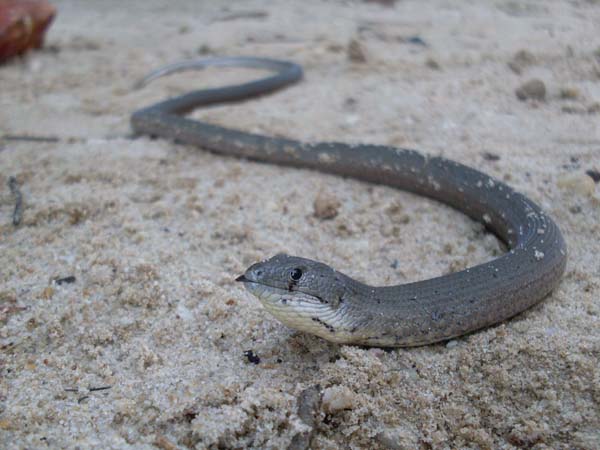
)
(377, 352)
(521, 60)
(252, 357)
(32, 324)
(580, 183)
(23, 26)
(433, 64)
(594, 108)
(308, 404)
(524, 57)
(594, 175)
(416, 40)
(47, 293)
(65, 280)
(397, 439)
(308, 407)
(534, 89)
(164, 443)
(388, 3)
(325, 206)
(514, 67)
(356, 52)
(334, 48)
(337, 398)
(490, 156)
(573, 109)
(451, 344)
(204, 49)
(569, 93)
(527, 434)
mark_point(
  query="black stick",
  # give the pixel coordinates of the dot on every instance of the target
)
(18, 137)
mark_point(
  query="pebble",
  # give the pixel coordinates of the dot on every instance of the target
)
(433, 64)
(48, 293)
(308, 405)
(579, 183)
(490, 156)
(594, 108)
(569, 93)
(388, 3)
(520, 60)
(164, 443)
(23, 26)
(356, 52)
(594, 175)
(451, 344)
(337, 398)
(252, 357)
(574, 109)
(534, 89)
(416, 40)
(399, 438)
(69, 279)
(325, 206)
(377, 352)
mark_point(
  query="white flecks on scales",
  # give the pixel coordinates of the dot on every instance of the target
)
(432, 181)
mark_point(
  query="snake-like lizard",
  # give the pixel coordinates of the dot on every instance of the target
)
(313, 297)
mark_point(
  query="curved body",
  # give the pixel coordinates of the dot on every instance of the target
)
(405, 315)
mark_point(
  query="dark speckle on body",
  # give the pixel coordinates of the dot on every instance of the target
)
(325, 324)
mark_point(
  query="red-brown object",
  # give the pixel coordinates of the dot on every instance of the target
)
(23, 24)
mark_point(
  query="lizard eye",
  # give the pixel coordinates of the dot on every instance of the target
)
(296, 274)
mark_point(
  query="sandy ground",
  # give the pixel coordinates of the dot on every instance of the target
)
(154, 233)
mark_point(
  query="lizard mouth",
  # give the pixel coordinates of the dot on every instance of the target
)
(263, 290)
(271, 294)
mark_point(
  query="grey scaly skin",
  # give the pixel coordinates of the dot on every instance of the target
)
(311, 296)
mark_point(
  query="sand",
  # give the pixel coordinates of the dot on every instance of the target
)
(145, 347)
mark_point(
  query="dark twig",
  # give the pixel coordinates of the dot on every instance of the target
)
(54, 139)
(18, 212)
(18, 137)
(69, 279)
(90, 389)
(488, 156)
(243, 15)
(101, 388)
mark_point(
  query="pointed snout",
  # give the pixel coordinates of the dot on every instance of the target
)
(253, 274)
